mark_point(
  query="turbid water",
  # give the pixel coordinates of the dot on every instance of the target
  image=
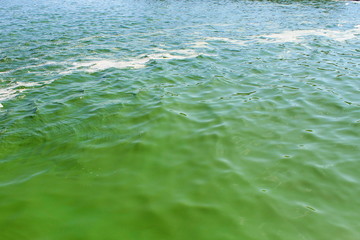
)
(179, 120)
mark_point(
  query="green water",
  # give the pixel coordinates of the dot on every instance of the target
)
(179, 120)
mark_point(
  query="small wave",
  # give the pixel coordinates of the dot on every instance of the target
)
(22, 179)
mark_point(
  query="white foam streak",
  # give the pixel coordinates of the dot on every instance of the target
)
(298, 35)
(30, 66)
(229, 40)
(8, 93)
(16, 88)
(138, 62)
(199, 44)
(159, 53)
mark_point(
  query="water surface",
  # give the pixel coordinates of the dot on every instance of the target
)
(179, 120)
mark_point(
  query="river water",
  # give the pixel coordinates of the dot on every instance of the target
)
(184, 119)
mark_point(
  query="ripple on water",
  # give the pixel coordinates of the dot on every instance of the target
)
(243, 124)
